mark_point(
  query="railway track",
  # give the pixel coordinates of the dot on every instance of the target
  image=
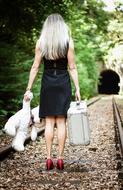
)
(6, 150)
(93, 167)
(119, 138)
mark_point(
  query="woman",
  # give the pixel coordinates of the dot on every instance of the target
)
(55, 50)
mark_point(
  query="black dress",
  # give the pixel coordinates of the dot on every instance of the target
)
(55, 93)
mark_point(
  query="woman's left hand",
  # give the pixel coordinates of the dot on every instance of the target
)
(26, 97)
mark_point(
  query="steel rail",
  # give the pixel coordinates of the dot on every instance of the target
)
(119, 123)
(118, 137)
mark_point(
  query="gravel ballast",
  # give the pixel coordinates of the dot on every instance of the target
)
(92, 167)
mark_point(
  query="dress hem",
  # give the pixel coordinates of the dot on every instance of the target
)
(53, 115)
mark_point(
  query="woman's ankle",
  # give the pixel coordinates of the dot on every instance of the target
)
(60, 157)
(49, 157)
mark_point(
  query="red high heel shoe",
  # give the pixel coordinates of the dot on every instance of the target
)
(60, 164)
(49, 164)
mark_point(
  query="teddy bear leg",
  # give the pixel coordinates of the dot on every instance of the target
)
(10, 128)
(18, 141)
(33, 133)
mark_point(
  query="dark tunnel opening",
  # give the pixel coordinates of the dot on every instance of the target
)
(108, 82)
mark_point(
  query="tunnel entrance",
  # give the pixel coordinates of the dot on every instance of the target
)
(108, 83)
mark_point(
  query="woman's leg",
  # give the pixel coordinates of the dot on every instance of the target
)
(49, 134)
(62, 134)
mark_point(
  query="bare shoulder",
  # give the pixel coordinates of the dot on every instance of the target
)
(71, 43)
(37, 45)
(71, 48)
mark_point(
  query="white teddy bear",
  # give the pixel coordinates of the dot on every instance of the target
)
(17, 125)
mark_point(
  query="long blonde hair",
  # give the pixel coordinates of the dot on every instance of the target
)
(54, 38)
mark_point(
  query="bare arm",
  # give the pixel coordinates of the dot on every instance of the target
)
(73, 70)
(35, 66)
(34, 69)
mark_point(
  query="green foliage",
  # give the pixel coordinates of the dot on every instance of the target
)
(13, 76)
(113, 46)
(86, 20)
(20, 28)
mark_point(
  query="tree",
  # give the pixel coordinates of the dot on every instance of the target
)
(114, 55)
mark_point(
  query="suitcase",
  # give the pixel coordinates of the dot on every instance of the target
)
(78, 124)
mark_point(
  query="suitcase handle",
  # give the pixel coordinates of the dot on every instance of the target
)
(77, 103)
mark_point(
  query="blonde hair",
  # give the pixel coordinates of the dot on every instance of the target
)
(54, 38)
